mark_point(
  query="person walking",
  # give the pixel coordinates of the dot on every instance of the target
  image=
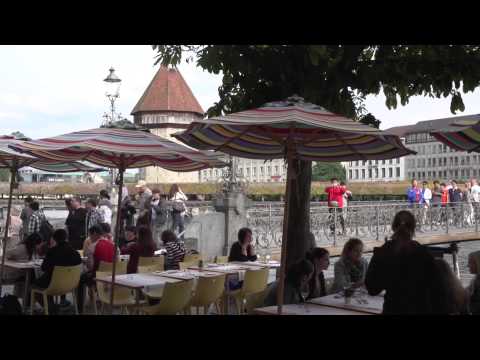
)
(105, 206)
(347, 196)
(475, 190)
(467, 203)
(436, 202)
(179, 209)
(75, 223)
(455, 196)
(425, 201)
(335, 203)
(94, 216)
(25, 215)
(413, 194)
(159, 216)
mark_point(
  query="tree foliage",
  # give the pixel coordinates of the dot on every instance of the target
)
(325, 171)
(336, 77)
(370, 120)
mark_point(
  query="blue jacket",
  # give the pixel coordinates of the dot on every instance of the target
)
(413, 195)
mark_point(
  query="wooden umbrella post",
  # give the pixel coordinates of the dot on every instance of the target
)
(117, 235)
(286, 213)
(13, 172)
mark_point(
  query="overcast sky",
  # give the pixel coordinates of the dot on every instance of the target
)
(51, 90)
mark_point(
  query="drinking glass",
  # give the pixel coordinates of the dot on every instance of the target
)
(304, 291)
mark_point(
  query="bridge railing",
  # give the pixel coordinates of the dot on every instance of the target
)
(372, 222)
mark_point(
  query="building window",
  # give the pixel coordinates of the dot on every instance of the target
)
(363, 173)
(356, 163)
(390, 161)
(468, 172)
(434, 174)
(429, 162)
(456, 160)
(390, 172)
(474, 172)
(262, 170)
(369, 173)
(397, 170)
(429, 174)
(269, 169)
(383, 162)
(356, 174)
(248, 171)
(398, 161)
(369, 162)
(383, 172)
(350, 173)
(254, 171)
(276, 170)
(376, 173)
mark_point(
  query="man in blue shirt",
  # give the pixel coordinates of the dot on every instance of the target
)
(413, 194)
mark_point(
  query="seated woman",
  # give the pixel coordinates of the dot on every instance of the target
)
(242, 250)
(454, 300)
(298, 276)
(473, 290)
(175, 250)
(320, 258)
(144, 246)
(351, 268)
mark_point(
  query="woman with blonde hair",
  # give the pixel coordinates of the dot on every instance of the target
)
(351, 269)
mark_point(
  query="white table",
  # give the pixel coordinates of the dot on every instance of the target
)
(139, 282)
(306, 309)
(27, 267)
(363, 303)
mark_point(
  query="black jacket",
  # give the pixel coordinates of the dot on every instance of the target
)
(236, 254)
(76, 227)
(409, 276)
(60, 255)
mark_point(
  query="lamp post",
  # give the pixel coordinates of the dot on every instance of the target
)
(112, 93)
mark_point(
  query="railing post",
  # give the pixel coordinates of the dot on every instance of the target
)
(356, 222)
(377, 214)
(446, 218)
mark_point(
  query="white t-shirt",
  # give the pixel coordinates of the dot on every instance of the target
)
(427, 196)
(475, 191)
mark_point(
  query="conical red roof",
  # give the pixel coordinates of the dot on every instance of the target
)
(168, 91)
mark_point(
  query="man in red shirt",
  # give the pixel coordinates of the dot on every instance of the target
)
(101, 249)
(335, 203)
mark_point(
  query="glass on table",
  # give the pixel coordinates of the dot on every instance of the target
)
(304, 291)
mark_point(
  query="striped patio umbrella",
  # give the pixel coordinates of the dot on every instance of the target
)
(292, 129)
(13, 160)
(461, 135)
(121, 149)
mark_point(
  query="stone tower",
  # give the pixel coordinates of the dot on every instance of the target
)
(167, 106)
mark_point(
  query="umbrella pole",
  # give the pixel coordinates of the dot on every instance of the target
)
(286, 213)
(7, 225)
(117, 236)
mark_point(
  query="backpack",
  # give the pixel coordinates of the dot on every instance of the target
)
(178, 206)
(9, 305)
(46, 230)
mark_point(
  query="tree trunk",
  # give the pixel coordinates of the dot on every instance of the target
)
(299, 219)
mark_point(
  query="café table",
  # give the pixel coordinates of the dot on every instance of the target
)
(360, 301)
(141, 282)
(27, 267)
(306, 309)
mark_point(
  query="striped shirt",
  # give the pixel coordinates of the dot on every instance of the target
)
(175, 254)
(94, 217)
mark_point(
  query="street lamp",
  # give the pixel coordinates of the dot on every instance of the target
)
(112, 93)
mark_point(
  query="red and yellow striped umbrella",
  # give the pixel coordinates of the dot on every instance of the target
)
(292, 129)
(461, 135)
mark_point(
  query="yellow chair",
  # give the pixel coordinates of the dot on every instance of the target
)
(221, 259)
(64, 280)
(192, 258)
(255, 281)
(209, 291)
(175, 298)
(120, 268)
(185, 265)
(157, 261)
(255, 300)
(123, 297)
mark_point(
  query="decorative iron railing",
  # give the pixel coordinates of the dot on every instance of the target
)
(335, 226)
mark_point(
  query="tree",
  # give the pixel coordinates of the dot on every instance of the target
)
(325, 171)
(336, 77)
(18, 135)
(370, 120)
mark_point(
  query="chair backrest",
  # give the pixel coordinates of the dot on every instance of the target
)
(120, 268)
(122, 294)
(255, 281)
(176, 297)
(64, 279)
(192, 258)
(185, 265)
(157, 261)
(221, 259)
(209, 290)
(147, 269)
(255, 300)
